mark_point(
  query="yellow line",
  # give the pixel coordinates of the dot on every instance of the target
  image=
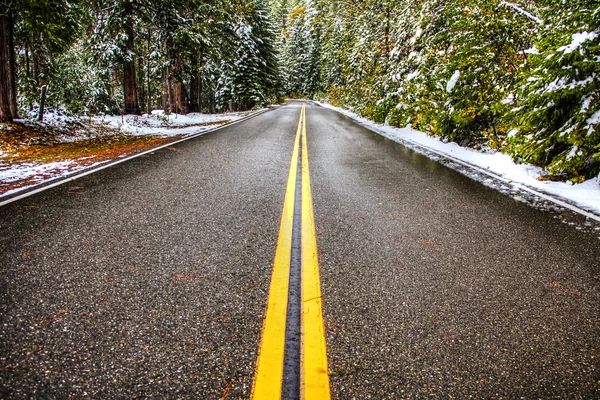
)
(314, 377)
(269, 370)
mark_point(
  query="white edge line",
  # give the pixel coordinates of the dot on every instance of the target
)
(112, 163)
(479, 169)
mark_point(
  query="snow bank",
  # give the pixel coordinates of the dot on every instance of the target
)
(38, 171)
(585, 195)
(160, 124)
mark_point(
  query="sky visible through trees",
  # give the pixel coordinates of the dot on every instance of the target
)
(522, 77)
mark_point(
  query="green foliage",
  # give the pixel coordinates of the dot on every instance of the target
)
(184, 51)
(559, 115)
(300, 54)
(520, 76)
(44, 30)
(249, 77)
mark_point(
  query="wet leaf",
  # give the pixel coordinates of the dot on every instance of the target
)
(558, 286)
(178, 277)
(49, 320)
(227, 390)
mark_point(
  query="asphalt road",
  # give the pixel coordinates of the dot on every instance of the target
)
(150, 279)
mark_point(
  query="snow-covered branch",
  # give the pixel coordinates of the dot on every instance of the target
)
(522, 12)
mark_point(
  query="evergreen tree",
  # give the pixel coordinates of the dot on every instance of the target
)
(249, 73)
(295, 57)
(482, 70)
(43, 30)
(104, 57)
(559, 111)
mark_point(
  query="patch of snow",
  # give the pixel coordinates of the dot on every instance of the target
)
(509, 99)
(532, 50)
(452, 82)
(521, 11)
(562, 83)
(586, 104)
(417, 35)
(572, 153)
(586, 195)
(577, 40)
(413, 75)
(594, 119)
(512, 132)
(14, 173)
(38, 172)
(160, 124)
(568, 130)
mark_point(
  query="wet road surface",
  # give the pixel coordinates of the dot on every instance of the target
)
(151, 278)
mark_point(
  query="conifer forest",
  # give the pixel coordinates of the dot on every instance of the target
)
(519, 76)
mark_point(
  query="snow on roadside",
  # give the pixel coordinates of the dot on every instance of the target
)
(14, 173)
(585, 195)
(159, 124)
(37, 173)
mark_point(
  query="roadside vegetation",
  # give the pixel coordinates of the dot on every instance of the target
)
(521, 77)
(32, 152)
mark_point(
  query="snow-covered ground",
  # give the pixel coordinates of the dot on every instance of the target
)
(156, 124)
(38, 172)
(585, 195)
(159, 124)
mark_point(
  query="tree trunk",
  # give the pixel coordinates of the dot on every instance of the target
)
(200, 88)
(194, 91)
(148, 76)
(28, 72)
(200, 80)
(131, 105)
(5, 111)
(166, 95)
(8, 90)
(140, 80)
(12, 67)
(196, 84)
(179, 93)
(42, 104)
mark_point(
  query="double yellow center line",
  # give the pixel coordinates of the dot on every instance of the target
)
(314, 379)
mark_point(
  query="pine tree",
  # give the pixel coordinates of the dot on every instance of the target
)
(41, 29)
(559, 111)
(249, 73)
(295, 57)
(485, 59)
(8, 95)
